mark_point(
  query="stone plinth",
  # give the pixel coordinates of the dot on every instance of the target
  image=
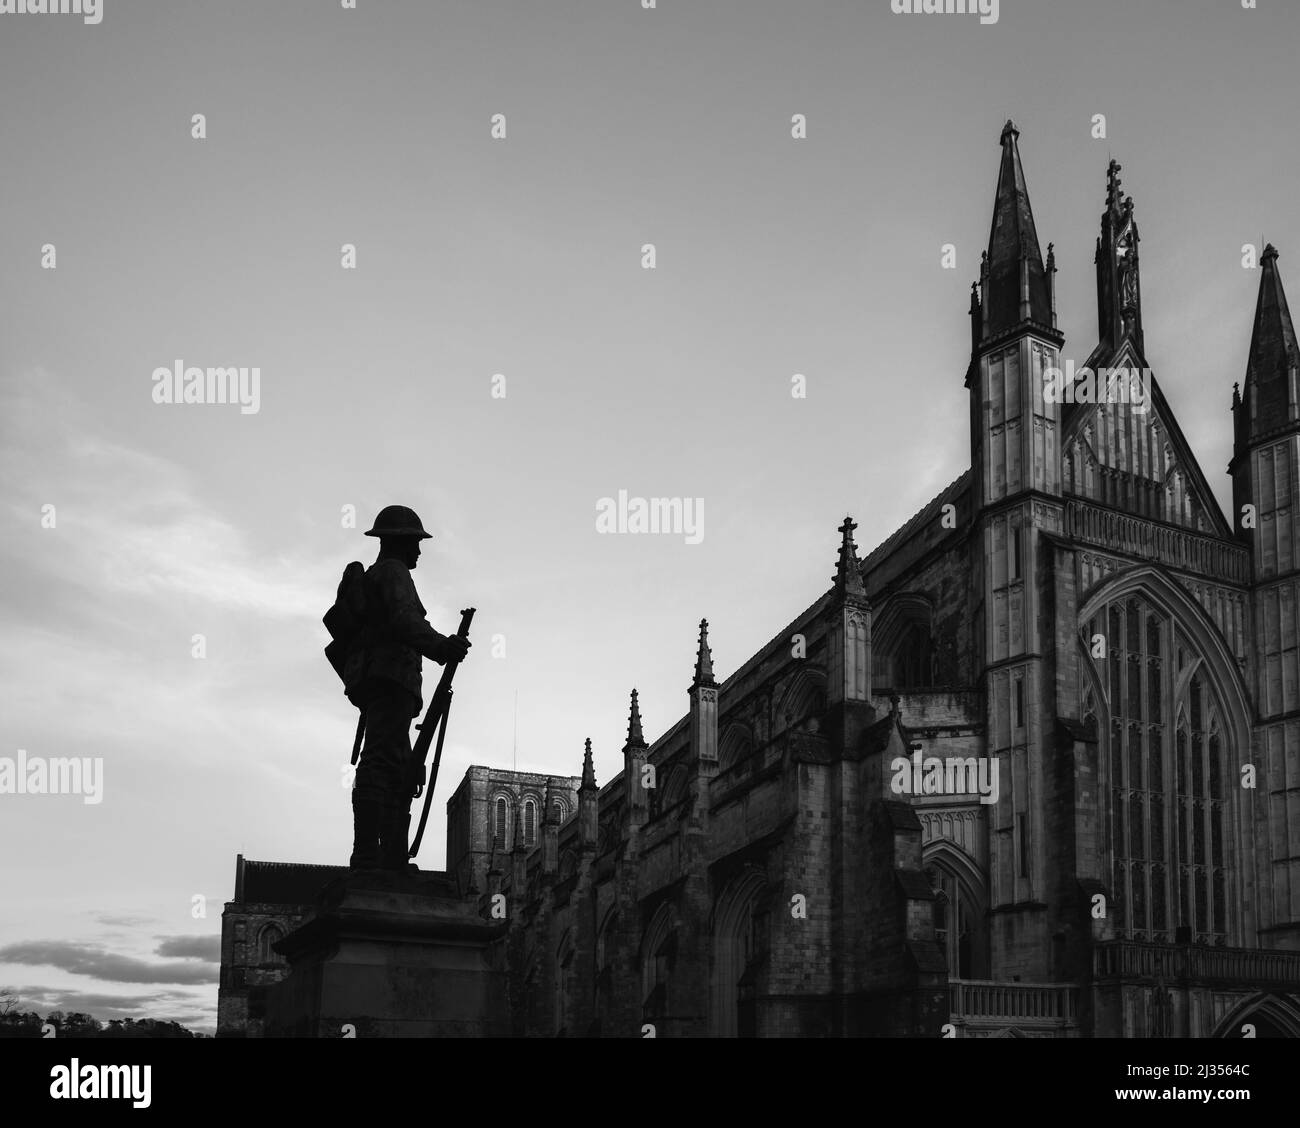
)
(390, 958)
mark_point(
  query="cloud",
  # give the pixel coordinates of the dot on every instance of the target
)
(191, 947)
(92, 960)
(122, 920)
(134, 522)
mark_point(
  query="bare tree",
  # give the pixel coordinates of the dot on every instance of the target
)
(9, 1002)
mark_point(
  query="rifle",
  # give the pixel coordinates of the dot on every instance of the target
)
(435, 722)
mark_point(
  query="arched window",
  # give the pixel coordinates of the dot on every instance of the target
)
(1164, 752)
(270, 935)
(501, 823)
(658, 958)
(903, 644)
(736, 747)
(530, 822)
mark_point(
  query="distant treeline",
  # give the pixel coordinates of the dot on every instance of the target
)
(77, 1025)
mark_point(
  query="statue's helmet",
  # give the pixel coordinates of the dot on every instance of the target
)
(398, 521)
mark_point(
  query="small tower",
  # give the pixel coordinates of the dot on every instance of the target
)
(1264, 468)
(848, 636)
(588, 802)
(704, 708)
(634, 761)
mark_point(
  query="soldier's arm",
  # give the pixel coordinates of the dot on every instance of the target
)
(406, 617)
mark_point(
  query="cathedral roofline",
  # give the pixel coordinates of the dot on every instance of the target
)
(885, 548)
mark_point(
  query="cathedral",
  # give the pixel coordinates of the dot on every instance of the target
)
(1029, 768)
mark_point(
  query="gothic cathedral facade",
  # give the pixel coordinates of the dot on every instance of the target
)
(1029, 768)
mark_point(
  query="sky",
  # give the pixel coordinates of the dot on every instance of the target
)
(517, 257)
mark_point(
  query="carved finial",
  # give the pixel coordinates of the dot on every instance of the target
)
(588, 770)
(1114, 193)
(1270, 252)
(703, 659)
(1236, 396)
(634, 737)
(848, 573)
(1051, 257)
(893, 704)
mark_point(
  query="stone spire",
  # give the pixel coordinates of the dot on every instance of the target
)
(635, 753)
(588, 802)
(1014, 282)
(634, 737)
(1267, 400)
(703, 659)
(848, 572)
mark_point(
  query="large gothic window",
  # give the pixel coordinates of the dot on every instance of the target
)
(1164, 753)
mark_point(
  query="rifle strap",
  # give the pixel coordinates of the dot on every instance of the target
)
(361, 731)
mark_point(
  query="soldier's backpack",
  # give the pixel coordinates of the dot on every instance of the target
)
(346, 619)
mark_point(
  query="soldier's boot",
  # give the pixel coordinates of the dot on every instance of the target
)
(395, 837)
(367, 820)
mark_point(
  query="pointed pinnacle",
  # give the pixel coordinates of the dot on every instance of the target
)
(703, 659)
(848, 573)
(634, 737)
(588, 770)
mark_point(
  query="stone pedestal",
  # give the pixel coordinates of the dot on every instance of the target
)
(391, 958)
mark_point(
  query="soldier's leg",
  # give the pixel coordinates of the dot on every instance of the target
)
(394, 777)
(380, 770)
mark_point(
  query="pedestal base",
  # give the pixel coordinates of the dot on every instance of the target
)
(390, 957)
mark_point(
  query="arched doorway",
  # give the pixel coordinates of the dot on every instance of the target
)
(740, 926)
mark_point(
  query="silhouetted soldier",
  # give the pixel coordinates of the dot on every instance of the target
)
(382, 676)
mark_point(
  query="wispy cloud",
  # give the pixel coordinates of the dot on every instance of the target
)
(92, 960)
(127, 521)
(191, 947)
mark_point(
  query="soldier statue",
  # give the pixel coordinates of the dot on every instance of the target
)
(381, 675)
